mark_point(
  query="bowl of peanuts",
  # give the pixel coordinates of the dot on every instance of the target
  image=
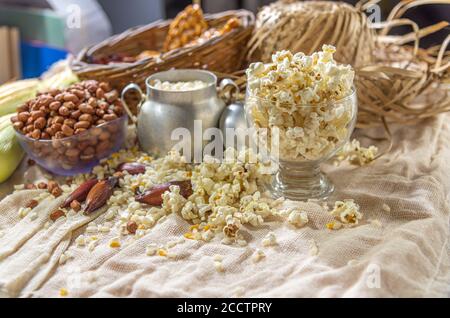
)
(69, 131)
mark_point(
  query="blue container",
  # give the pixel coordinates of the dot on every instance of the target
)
(37, 58)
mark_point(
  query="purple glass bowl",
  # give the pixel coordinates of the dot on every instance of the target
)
(79, 153)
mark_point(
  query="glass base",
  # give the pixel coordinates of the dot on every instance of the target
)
(300, 181)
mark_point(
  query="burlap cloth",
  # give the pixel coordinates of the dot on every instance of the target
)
(407, 256)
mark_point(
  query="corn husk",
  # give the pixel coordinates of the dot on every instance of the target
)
(10, 151)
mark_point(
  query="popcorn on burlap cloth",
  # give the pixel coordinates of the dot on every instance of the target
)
(401, 252)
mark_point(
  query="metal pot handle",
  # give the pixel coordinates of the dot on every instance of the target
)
(128, 88)
(234, 90)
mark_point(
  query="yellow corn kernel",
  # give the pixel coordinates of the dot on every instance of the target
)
(115, 155)
(193, 227)
(141, 227)
(189, 236)
(207, 227)
(162, 252)
(330, 225)
(63, 292)
(114, 244)
(94, 238)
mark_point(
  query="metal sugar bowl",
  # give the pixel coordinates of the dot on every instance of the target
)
(162, 113)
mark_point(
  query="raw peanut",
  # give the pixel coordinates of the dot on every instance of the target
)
(69, 97)
(82, 124)
(69, 105)
(79, 93)
(14, 119)
(55, 215)
(23, 116)
(70, 122)
(51, 185)
(40, 123)
(85, 117)
(36, 134)
(104, 86)
(79, 131)
(110, 117)
(89, 151)
(60, 97)
(132, 168)
(80, 193)
(112, 96)
(18, 125)
(75, 205)
(45, 100)
(72, 152)
(153, 196)
(100, 122)
(76, 114)
(99, 194)
(56, 192)
(59, 135)
(32, 204)
(102, 147)
(58, 120)
(42, 185)
(36, 114)
(45, 135)
(132, 227)
(99, 93)
(86, 109)
(29, 128)
(56, 127)
(54, 105)
(92, 102)
(104, 136)
(67, 130)
(64, 111)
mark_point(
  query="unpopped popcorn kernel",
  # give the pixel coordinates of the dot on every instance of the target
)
(114, 243)
(162, 252)
(386, 207)
(63, 292)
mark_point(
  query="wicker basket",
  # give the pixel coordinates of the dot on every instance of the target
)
(225, 54)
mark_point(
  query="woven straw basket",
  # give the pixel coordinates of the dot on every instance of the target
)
(223, 54)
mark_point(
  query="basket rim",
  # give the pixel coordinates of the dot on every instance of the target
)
(78, 63)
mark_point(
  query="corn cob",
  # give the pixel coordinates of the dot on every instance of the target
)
(14, 94)
(11, 152)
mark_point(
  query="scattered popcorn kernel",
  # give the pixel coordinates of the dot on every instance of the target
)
(334, 225)
(347, 212)
(162, 252)
(269, 240)
(219, 267)
(298, 218)
(63, 292)
(386, 207)
(259, 255)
